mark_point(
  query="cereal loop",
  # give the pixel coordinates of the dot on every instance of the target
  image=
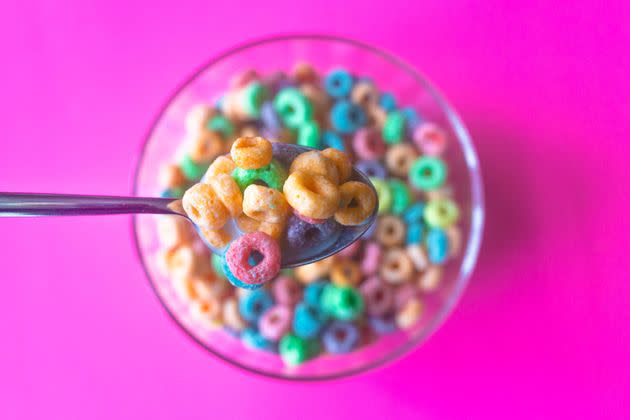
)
(341, 161)
(390, 231)
(356, 205)
(204, 208)
(345, 272)
(314, 162)
(399, 159)
(251, 152)
(396, 267)
(221, 165)
(311, 195)
(239, 253)
(265, 204)
(216, 238)
(228, 192)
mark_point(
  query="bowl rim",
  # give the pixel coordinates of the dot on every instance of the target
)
(477, 210)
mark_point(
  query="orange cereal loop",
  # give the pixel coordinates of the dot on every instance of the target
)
(228, 192)
(364, 94)
(430, 279)
(341, 161)
(265, 204)
(204, 208)
(209, 285)
(171, 176)
(409, 314)
(399, 159)
(184, 289)
(205, 146)
(318, 98)
(217, 238)
(357, 203)
(314, 162)
(390, 230)
(312, 195)
(198, 117)
(345, 272)
(275, 230)
(207, 312)
(221, 165)
(376, 115)
(251, 152)
(304, 73)
(310, 272)
(184, 262)
(396, 266)
(247, 224)
(173, 231)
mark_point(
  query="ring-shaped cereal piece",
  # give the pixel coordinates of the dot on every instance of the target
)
(396, 267)
(384, 194)
(430, 139)
(286, 290)
(368, 144)
(356, 205)
(228, 192)
(338, 83)
(441, 213)
(364, 94)
(222, 125)
(372, 169)
(252, 97)
(334, 140)
(341, 161)
(399, 159)
(309, 135)
(394, 128)
(198, 117)
(314, 162)
(401, 196)
(264, 204)
(251, 244)
(293, 107)
(251, 152)
(191, 169)
(390, 230)
(273, 175)
(221, 165)
(347, 117)
(276, 322)
(371, 258)
(303, 72)
(427, 173)
(387, 101)
(345, 272)
(312, 195)
(205, 146)
(215, 238)
(171, 176)
(378, 296)
(204, 208)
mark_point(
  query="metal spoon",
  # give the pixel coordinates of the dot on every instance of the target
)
(29, 205)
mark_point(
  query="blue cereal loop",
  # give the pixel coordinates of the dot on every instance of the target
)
(338, 83)
(253, 339)
(332, 139)
(254, 304)
(347, 117)
(414, 213)
(437, 246)
(307, 321)
(414, 233)
(387, 101)
(412, 119)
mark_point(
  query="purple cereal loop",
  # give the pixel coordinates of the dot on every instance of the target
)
(302, 235)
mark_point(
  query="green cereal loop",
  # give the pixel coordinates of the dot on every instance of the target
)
(222, 125)
(308, 135)
(394, 128)
(401, 196)
(252, 99)
(384, 194)
(273, 175)
(293, 107)
(441, 213)
(427, 173)
(293, 349)
(217, 264)
(193, 170)
(343, 303)
(328, 299)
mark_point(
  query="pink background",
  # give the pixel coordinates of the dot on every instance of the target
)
(542, 331)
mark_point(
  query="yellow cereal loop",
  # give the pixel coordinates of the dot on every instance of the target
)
(314, 162)
(251, 152)
(221, 165)
(247, 224)
(204, 208)
(345, 272)
(265, 204)
(275, 230)
(311, 195)
(228, 192)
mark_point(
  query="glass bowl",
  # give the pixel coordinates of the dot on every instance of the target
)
(323, 52)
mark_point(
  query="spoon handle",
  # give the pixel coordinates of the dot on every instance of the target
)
(26, 204)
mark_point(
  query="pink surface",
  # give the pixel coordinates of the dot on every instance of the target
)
(542, 330)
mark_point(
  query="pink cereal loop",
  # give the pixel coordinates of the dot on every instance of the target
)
(371, 258)
(430, 139)
(286, 291)
(237, 257)
(276, 322)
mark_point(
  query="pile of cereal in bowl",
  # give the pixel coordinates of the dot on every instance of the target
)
(336, 305)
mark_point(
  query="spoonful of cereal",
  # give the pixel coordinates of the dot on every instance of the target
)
(263, 207)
